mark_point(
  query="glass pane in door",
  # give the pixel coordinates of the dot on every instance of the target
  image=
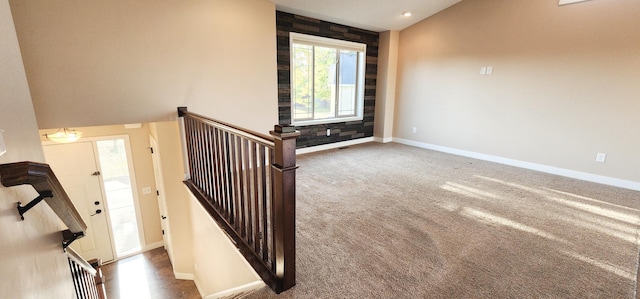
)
(117, 182)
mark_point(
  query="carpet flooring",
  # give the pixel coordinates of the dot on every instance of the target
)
(393, 221)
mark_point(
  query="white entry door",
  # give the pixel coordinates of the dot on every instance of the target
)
(75, 166)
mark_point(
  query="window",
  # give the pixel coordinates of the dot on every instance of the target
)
(327, 80)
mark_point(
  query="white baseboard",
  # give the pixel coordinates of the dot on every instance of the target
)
(197, 283)
(243, 288)
(317, 148)
(184, 276)
(527, 165)
(383, 140)
(153, 246)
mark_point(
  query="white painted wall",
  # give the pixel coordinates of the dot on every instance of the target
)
(95, 63)
(17, 118)
(220, 266)
(32, 263)
(564, 85)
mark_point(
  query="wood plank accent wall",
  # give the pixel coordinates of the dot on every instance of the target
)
(344, 131)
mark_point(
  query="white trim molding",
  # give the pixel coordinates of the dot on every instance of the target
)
(184, 276)
(237, 290)
(565, 2)
(153, 245)
(323, 147)
(527, 165)
(383, 140)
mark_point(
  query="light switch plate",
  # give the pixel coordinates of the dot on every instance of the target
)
(3, 147)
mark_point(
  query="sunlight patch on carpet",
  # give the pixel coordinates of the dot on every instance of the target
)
(493, 219)
(470, 192)
(591, 199)
(602, 265)
(597, 210)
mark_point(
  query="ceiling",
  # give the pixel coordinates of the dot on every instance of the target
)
(375, 15)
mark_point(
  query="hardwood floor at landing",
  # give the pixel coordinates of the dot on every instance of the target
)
(146, 275)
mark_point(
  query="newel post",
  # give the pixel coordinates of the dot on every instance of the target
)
(284, 205)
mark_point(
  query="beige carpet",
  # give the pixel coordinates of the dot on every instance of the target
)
(393, 221)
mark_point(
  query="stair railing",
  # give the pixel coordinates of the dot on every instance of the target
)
(246, 181)
(87, 278)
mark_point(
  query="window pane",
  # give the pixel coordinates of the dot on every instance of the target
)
(302, 81)
(325, 83)
(347, 88)
(117, 183)
(327, 80)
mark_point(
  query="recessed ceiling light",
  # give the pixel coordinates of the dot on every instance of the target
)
(406, 14)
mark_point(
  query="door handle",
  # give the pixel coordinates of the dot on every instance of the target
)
(97, 173)
(98, 211)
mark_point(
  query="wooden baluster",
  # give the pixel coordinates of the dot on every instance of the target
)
(192, 150)
(217, 172)
(255, 199)
(247, 190)
(263, 213)
(205, 159)
(198, 152)
(221, 181)
(233, 181)
(240, 185)
(202, 151)
(211, 165)
(227, 177)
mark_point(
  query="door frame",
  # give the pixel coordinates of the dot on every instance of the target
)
(162, 200)
(134, 188)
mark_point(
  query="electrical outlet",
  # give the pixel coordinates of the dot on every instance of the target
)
(601, 157)
(328, 132)
(414, 130)
(146, 190)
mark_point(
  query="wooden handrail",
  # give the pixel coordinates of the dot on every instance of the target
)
(246, 133)
(246, 181)
(44, 181)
